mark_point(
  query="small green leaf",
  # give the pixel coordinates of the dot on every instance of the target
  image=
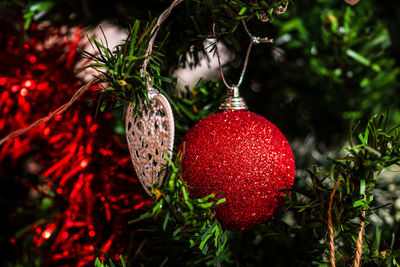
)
(34, 9)
(98, 263)
(177, 231)
(206, 205)
(216, 236)
(374, 151)
(205, 249)
(358, 57)
(27, 23)
(220, 201)
(365, 82)
(370, 198)
(165, 223)
(241, 12)
(158, 207)
(103, 106)
(206, 198)
(122, 260)
(358, 203)
(362, 187)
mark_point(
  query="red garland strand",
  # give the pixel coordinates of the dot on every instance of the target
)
(79, 157)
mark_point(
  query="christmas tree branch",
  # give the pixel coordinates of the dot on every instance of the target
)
(116, 69)
(354, 177)
(192, 219)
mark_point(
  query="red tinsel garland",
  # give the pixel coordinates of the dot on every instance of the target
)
(78, 159)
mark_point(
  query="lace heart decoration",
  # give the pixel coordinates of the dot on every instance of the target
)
(149, 136)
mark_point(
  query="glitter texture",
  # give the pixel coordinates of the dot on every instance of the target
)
(244, 157)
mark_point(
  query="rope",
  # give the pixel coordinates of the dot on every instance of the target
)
(359, 250)
(154, 32)
(330, 227)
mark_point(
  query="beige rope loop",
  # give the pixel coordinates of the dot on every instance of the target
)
(359, 244)
(154, 31)
(330, 227)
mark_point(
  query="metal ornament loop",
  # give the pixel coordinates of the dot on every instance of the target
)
(233, 101)
(255, 39)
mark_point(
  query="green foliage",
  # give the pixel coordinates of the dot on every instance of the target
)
(331, 62)
(100, 263)
(304, 218)
(35, 9)
(185, 217)
(194, 104)
(375, 149)
(340, 69)
(188, 26)
(228, 13)
(262, 9)
(122, 68)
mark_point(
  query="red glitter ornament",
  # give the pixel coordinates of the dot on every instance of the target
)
(243, 157)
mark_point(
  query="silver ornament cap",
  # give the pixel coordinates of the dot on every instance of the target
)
(233, 101)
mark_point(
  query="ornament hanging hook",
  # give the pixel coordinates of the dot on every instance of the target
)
(233, 101)
(256, 39)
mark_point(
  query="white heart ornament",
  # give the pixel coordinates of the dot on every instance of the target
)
(149, 136)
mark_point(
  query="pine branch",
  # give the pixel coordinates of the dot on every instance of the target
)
(122, 68)
(183, 216)
(370, 152)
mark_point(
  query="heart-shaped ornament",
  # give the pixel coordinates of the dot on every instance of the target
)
(352, 2)
(149, 136)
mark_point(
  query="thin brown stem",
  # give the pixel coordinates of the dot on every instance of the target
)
(58, 111)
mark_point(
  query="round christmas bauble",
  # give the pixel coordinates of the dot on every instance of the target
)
(242, 157)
